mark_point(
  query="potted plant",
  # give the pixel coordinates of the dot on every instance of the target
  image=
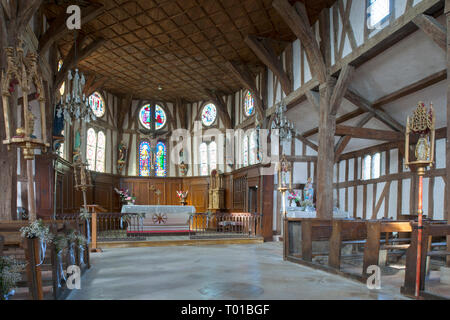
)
(294, 197)
(182, 195)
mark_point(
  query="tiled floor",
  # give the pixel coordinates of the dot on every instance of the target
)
(214, 272)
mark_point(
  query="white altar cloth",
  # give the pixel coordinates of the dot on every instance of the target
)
(159, 219)
(296, 212)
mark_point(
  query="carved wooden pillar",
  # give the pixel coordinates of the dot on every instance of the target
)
(325, 162)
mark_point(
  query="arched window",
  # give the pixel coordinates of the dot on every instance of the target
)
(146, 117)
(212, 152)
(249, 104)
(245, 150)
(100, 156)
(204, 159)
(144, 159)
(97, 104)
(95, 150)
(209, 115)
(161, 160)
(253, 148)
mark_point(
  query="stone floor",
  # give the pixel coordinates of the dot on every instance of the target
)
(214, 272)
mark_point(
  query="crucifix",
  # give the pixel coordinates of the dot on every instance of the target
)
(157, 193)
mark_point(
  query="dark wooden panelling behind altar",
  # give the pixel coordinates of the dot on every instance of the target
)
(237, 187)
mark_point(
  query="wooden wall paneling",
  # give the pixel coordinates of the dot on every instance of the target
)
(267, 207)
(44, 182)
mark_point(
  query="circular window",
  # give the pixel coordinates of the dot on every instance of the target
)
(145, 117)
(97, 104)
(209, 115)
(249, 104)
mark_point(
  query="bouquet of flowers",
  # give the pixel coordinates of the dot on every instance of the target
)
(125, 196)
(37, 229)
(10, 274)
(182, 195)
(295, 196)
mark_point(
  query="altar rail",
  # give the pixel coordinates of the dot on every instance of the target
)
(234, 225)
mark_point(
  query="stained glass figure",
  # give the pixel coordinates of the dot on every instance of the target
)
(212, 151)
(160, 117)
(97, 104)
(209, 115)
(204, 159)
(249, 104)
(245, 151)
(145, 116)
(144, 159)
(160, 160)
(100, 155)
(91, 148)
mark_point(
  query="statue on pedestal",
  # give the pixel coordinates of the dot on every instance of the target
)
(122, 157)
(308, 196)
(216, 191)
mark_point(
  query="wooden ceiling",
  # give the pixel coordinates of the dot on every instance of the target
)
(180, 45)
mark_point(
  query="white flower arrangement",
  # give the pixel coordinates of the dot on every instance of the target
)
(37, 229)
(76, 238)
(60, 242)
(10, 274)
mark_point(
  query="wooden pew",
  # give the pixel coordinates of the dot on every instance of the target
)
(39, 287)
(345, 232)
(375, 243)
(300, 233)
(429, 231)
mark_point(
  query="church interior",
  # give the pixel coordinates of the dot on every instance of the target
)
(270, 149)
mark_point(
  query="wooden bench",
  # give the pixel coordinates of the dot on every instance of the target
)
(429, 231)
(345, 232)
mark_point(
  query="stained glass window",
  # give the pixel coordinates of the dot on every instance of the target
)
(144, 159)
(60, 64)
(97, 104)
(245, 151)
(253, 150)
(377, 11)
(145, 117)
(209, 115)
(212, 151)
(160, 117)
(160, 161)
(91, 148)
(204, 159)
(100, 156)
(95, 150)
(249, 104)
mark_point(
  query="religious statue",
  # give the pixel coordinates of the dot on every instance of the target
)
(308, 191)
(58, 123)
(216, 191)
(183, 166)
(122, 157)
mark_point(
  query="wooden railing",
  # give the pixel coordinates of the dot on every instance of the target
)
(239, 225)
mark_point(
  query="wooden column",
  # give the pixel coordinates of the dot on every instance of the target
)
(325, 162)
(447, 187)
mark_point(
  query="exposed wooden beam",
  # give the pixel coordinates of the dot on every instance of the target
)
(297, 19)
(243, 74)
(436, 31)
(371, 134)
(69, 61)
(344, 141)
(313, 98)
(366, 106)
(341, 88)
(58, 28)
(264, 51)
(307, 142)
(301, 158)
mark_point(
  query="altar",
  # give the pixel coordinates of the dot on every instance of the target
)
(158, 219)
